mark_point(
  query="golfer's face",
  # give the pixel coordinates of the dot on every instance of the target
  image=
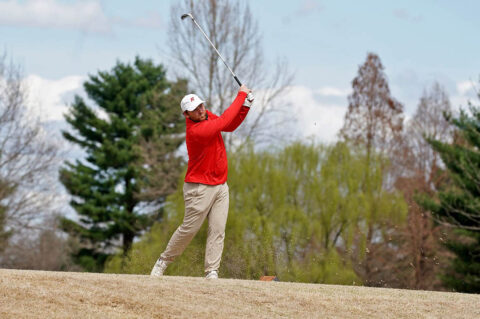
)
(199, 114)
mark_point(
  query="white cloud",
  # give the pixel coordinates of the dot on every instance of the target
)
(332, 91)
(87, 15)
(465, 86)
(466, 91)
(316, 118)
(47, 101)
(50, 98)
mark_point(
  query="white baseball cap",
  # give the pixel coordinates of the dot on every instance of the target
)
(190, 102)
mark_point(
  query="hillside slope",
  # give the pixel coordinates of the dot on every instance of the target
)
(39, 294)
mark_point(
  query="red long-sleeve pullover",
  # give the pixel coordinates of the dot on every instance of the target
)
(207, 158)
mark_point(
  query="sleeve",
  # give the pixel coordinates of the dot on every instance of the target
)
(238, 120)
(207, 129)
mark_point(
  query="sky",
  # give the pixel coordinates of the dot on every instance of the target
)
(58, 43)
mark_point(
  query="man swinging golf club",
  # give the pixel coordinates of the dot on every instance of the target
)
(205, 190)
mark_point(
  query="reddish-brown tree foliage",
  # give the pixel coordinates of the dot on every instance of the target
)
(374, 121)
(421, 238)
(374, 118)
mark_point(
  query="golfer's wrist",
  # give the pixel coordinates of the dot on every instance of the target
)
(242, 94)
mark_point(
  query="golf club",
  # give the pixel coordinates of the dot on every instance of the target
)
(191, 16)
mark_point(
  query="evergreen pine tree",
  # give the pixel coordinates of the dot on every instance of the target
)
(459, 205)
(139, 106)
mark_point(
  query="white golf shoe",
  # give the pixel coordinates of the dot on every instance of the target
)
(212, 275)
(159, 268)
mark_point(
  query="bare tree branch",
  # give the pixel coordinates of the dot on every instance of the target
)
(28, 156)
(233, 30)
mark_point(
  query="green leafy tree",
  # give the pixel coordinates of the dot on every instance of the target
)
(136, 111)
(292, 214)
(459, 204)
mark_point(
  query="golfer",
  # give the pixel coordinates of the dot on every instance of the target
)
(205, 190)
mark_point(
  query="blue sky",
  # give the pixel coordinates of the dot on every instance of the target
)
(59, 42)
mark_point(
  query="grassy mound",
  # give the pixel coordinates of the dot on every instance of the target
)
(39, 294)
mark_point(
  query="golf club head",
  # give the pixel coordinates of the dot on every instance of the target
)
(186, 15)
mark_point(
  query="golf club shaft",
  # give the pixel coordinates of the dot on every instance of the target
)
(234, 76)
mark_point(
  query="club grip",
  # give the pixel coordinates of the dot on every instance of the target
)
(238, 81)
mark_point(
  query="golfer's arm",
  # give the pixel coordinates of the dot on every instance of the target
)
(238, 120)
(209, 128)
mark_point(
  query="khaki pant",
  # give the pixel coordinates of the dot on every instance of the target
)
(201, 201)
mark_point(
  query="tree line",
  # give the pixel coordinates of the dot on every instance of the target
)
(392, 203)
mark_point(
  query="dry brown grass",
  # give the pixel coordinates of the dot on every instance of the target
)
(39, 294)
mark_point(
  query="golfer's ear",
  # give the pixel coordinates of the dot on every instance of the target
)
(186, 115)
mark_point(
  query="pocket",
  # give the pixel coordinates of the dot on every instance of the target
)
(190, 190)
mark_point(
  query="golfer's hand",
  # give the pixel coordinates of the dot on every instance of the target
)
(244, 88)
(249, 99)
